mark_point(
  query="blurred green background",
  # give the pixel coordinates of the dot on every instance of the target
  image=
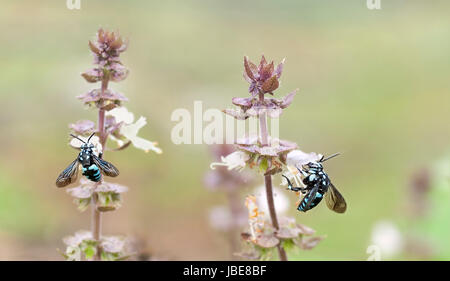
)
(374, 85)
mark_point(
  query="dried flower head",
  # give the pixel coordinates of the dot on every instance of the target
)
(108, 195)
(254, 107)
(262, 238)
(83, 127)
(82, 246)
(107, 99)
(263, 78)
(106, 49)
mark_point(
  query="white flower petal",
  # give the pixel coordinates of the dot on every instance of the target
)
(133, 129)
(145, 144)
(297, 158)
(130, 132)
(119, 142)
(235, 160)
(121, 114)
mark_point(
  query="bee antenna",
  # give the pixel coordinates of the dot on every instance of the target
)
(73, 136)
(90, 137)
(329, 157)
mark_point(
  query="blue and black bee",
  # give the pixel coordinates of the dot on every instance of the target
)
(92, 166)
(318, 185)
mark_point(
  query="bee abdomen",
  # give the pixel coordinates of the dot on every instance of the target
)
(315, 200)
(92, 173)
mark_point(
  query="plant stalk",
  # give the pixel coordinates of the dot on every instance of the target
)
(268, 181)
(96, 224)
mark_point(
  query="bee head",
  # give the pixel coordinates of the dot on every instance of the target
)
(86, 150)
(85, 156)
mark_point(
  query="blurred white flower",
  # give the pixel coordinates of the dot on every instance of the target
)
(220, 218)
(280, 199)
(76, 143)
(235, 160)
(113, 244)
(78, 238)
(130, 130)
(387, 237)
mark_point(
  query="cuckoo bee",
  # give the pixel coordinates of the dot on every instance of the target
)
(92, 166)
(318, 185)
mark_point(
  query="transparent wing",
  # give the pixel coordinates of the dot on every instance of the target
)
(106, 167)
(335, 200)
(69, 175)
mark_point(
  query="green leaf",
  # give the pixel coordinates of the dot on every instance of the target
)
(264, 165)
(89, 252)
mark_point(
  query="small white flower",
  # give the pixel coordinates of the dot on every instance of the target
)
(386, 235)
(235, 160)
(78, 238)
(130, 130)
(299, 158)
(121, 114)
(113, 244)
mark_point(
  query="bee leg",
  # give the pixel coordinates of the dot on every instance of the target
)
(303, 190)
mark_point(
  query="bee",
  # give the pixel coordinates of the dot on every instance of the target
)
(92, 166)
(318, 185)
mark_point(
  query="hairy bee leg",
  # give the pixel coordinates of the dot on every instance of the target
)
(296, 189)
(303, 190)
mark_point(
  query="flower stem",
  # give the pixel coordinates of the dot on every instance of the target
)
(96, 224)
(268, 180)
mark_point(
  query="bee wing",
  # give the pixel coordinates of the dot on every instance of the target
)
(106, 167)
(69, 175)
(309, 197)
(335, 200)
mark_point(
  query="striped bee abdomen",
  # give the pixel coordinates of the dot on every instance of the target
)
(92, 172)
(303, 206)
